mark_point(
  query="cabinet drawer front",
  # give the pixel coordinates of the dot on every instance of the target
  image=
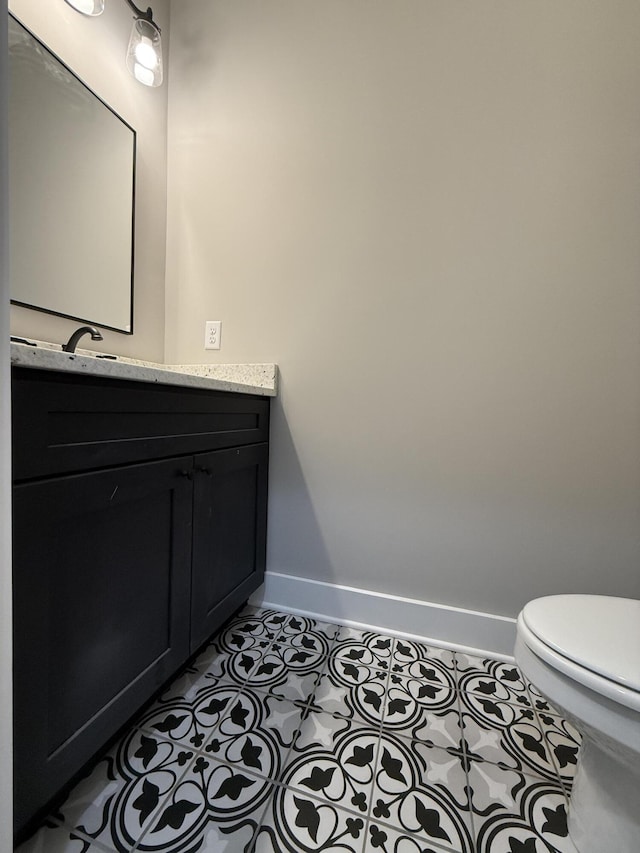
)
(66, 423)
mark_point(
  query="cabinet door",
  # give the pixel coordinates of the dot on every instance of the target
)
(229, 534)
(101, 602)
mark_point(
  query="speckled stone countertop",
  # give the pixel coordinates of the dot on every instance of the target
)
(241, 378)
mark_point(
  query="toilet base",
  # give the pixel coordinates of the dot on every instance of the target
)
(604, 809)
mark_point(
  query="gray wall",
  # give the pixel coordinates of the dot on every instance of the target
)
(427, 213)
(95, 48)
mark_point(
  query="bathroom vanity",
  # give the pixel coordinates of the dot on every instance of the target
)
(139, 514)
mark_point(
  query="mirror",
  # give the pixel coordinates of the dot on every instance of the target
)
(71, 192)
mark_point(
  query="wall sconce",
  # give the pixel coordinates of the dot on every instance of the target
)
(144, 54)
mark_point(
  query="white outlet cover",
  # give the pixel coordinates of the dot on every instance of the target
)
(212, 333)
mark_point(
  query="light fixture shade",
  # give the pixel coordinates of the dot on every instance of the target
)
(144, 55)
(88, 7)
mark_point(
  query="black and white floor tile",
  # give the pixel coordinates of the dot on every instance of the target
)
(288, 735)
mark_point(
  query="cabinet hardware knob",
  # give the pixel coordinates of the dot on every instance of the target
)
(187, 474)
(206, 471)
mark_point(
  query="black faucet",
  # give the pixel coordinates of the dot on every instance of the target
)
(72, 343)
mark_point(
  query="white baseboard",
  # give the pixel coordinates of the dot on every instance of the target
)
(449, 627)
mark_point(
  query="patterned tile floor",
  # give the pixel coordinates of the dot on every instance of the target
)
(288, 734)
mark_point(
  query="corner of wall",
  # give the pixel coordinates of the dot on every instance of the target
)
(6, 701)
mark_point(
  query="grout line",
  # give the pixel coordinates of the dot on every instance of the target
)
(260, 820)
(380, 730)
(73, 830)
(474, 831)
(161, 803)
(566, 791)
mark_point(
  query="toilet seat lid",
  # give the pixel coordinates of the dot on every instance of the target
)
(597, 632)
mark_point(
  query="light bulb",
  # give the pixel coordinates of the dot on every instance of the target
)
(88, 7)
(145, 53)
(142, 74)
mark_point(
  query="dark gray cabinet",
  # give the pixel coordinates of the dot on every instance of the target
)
(139, 527)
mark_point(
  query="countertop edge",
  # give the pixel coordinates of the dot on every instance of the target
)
(261, 379)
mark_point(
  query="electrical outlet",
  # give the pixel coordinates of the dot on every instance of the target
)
(212, 332)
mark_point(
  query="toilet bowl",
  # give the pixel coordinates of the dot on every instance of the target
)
(582, 652)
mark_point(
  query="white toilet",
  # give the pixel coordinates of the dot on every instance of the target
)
(582, 652)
